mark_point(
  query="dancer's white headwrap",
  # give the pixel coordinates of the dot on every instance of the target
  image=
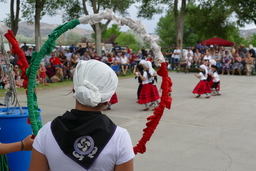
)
(94, 82)
(148, 65)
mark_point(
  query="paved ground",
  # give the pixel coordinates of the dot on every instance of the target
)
(216, 134)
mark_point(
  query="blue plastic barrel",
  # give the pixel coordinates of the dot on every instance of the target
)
(14, 128)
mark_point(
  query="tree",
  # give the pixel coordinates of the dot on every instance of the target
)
(110, 34)
(151, 7)
(13, 19)
(74, 10)
(34, 10)
(125, 39)
(245, 10)
(253, 39)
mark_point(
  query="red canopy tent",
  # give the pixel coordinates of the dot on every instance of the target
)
(217, 41)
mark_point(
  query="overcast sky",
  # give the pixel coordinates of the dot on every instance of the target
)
(150, 24)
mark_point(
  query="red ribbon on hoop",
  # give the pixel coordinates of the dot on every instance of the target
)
(22, 61)
(154, 119)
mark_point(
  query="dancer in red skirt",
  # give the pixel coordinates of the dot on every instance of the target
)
(203, 86)
(112, 101)
(149, 92)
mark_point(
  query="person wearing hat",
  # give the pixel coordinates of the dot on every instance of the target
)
(216, 81)
(29, 51)
(242, 51)
(84, 138)
(203, 86)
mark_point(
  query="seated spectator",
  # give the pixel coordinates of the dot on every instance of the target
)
(237, 64)
(51, 73)
(124, 63)
(85, 56)
(55, 61)
(133, 59)
(68, 54)
(115, 67)
(105, 59)
(28, 53)
(13, 58)
(74, 60)
(202, 50)
(17, 76)
(63, 58)
(217, 59)
(60, 49)
(97, 57)
(110, 59)
(249, 61)
(3, 62)
(207, 56)
(45, 60)
(226, 63)
(197, 57)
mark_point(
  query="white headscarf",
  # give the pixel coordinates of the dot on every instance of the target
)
(148, 65)
(203, 67)
(94, 82)
(143, 61)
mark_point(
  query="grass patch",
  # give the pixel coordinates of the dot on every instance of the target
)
(40, 87)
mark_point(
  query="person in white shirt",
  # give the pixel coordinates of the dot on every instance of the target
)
(176, 53)
(84, 138)
(203, 86)
(124, 63)
(189, 51)
(216, 81)
(68, 54)
(208, 56)
(188, 60)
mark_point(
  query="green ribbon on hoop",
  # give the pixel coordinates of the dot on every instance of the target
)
(31, 72)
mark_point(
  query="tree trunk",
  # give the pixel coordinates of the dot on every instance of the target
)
(179, 24)
(37, 28)
(98, 39)
(14, 16)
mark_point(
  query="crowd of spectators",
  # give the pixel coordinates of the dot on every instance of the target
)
(60, 64)
(235, 58)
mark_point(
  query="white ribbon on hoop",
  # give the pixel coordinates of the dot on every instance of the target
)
(134, 25)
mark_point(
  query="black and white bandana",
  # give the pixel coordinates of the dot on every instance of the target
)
(82, 135)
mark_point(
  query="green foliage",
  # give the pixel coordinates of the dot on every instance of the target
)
(68, 38)
(166, 31)
(125, 39)
(210, 19)
(252, 40)
(46, 7)
(110, 34)
(245, 10)
(113, 30)
(22, 38)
